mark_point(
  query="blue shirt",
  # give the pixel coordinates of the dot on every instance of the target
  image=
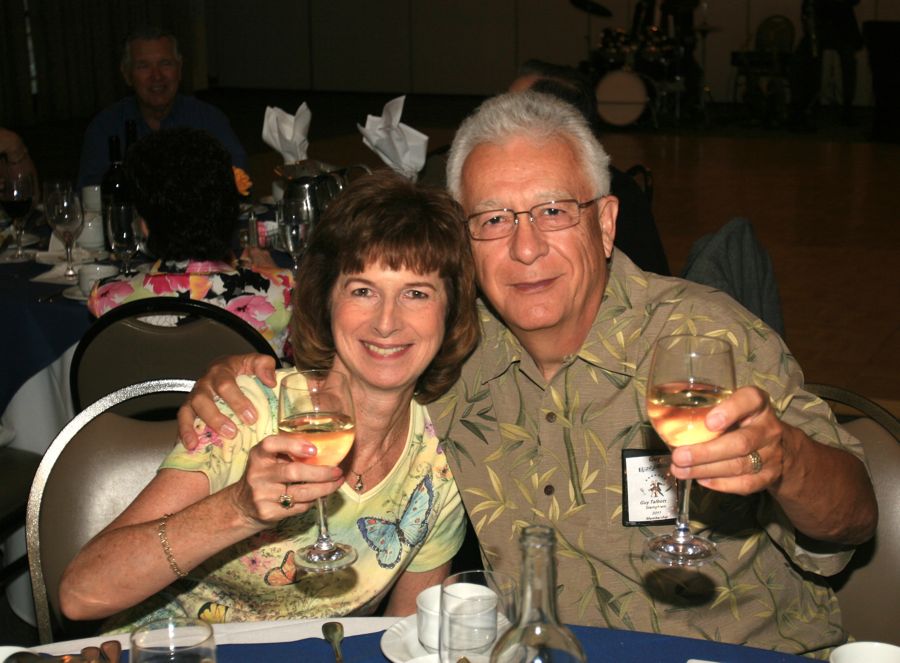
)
(186, 112)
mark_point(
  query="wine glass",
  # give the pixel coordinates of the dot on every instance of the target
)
(689, 376)
(123, 231)
(173, 640)
(317, 406)
(16, 194)
(296, 220)
(66, 220)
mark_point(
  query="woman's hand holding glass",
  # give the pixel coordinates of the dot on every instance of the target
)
(273, 471)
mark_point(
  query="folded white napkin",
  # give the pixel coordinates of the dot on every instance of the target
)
(400, 146)
(287, 133)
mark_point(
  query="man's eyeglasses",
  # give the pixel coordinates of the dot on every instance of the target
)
(547, 217)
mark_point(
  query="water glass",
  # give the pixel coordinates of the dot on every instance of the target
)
(173, 640)
(476, 608)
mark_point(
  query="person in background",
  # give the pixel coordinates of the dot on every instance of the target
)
(385, 295)
(151, 65)
(551, 403)
(14, 152)
(636, 232)
(183, 187)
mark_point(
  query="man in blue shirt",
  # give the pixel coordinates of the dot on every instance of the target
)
(151, 64)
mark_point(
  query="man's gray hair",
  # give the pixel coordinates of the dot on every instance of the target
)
(148, 33)
(531, 115)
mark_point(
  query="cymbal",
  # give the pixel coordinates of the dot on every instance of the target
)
(592, 7)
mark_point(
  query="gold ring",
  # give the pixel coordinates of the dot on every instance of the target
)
(755, 462)
(286, 501)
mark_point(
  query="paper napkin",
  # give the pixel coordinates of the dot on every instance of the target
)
(287, 133)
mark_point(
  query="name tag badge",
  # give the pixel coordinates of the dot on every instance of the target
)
(648, 490)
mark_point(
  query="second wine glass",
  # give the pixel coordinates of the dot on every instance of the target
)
(689, 376)
(16, 194)
(317, 406)
(66, 219)
(123, 232)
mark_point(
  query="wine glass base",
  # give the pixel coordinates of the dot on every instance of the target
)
(318, 560)
(670, 551)
(10, 256)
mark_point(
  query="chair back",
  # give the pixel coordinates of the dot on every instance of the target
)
(869, 588)
(140, 341)
(92, 471)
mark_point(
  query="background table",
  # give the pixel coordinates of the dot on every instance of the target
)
(302, 640)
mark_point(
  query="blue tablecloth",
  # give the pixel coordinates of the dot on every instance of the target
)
(34, 333)
(599, 645)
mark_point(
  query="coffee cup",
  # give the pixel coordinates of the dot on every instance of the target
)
(92, 236)
(428, 618)
(866, 652)
(89, 274)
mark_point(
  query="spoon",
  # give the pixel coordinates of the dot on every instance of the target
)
(112, 649)
(334, 633)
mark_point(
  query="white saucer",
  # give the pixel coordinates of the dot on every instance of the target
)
(400, 643)
(9, 651)
(74, 292)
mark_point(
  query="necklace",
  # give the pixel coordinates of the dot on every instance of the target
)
(359, 486)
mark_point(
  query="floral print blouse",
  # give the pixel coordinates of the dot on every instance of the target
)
(259, 296)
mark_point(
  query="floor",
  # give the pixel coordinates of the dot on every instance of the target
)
(823, 203)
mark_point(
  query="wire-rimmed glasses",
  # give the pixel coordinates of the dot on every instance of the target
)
(550, 216)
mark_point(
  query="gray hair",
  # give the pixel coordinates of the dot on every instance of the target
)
(533, 115)
(148, 33)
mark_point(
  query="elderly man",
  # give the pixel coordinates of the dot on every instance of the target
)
(151, 65)
(550, 407)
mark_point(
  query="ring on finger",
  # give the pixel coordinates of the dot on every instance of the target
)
(285, 500)
(756, 463)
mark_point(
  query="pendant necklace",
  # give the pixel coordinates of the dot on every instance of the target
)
(359, 486)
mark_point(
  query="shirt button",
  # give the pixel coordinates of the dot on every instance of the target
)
(549, 489)
(551, 417)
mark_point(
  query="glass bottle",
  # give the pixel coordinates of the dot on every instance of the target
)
(112, 188)
(538, 636)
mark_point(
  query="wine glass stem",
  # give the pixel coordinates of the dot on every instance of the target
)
(324, 541)
(70, 268)
(19, 228)
(682, 520)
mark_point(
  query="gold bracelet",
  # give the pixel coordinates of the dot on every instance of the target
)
(167, 549)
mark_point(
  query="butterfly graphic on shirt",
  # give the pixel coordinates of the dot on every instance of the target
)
(213, 613)
(286, 574)
(387, 537)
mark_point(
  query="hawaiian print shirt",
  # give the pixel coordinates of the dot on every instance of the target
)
(527, 451)
(259, 296)
(413, 520)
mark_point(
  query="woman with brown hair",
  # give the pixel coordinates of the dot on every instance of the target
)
(385, 295)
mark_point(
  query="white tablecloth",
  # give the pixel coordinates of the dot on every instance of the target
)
(33, 418)
(242, 633)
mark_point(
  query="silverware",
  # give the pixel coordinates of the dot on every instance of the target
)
(91, 654)
(334, 633)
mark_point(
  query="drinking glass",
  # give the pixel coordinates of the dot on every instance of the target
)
(53, 190)
(66, 221)
(477, 607)
(123, 231)
(296, 218)
(16, 194)
(689, 376)
(173, 640)
(317, 406)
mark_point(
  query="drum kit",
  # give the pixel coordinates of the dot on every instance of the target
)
(640, 69)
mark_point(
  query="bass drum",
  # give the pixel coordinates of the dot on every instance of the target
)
(621, 97)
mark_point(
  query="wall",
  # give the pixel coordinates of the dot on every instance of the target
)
(456, 46)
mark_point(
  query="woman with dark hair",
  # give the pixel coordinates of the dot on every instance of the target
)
(183, 188)
(385, 295)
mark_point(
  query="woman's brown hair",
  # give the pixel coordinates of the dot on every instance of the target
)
(384, 219)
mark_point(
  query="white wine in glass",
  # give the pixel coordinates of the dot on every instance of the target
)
(317, 406)
(689, 376)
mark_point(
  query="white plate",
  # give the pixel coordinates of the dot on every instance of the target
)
(400, 643)
(9, 651)
(74, 292)
(79, 256)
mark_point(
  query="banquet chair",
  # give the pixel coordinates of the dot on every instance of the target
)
(92, 471)
(868, 590)
(138, 341)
